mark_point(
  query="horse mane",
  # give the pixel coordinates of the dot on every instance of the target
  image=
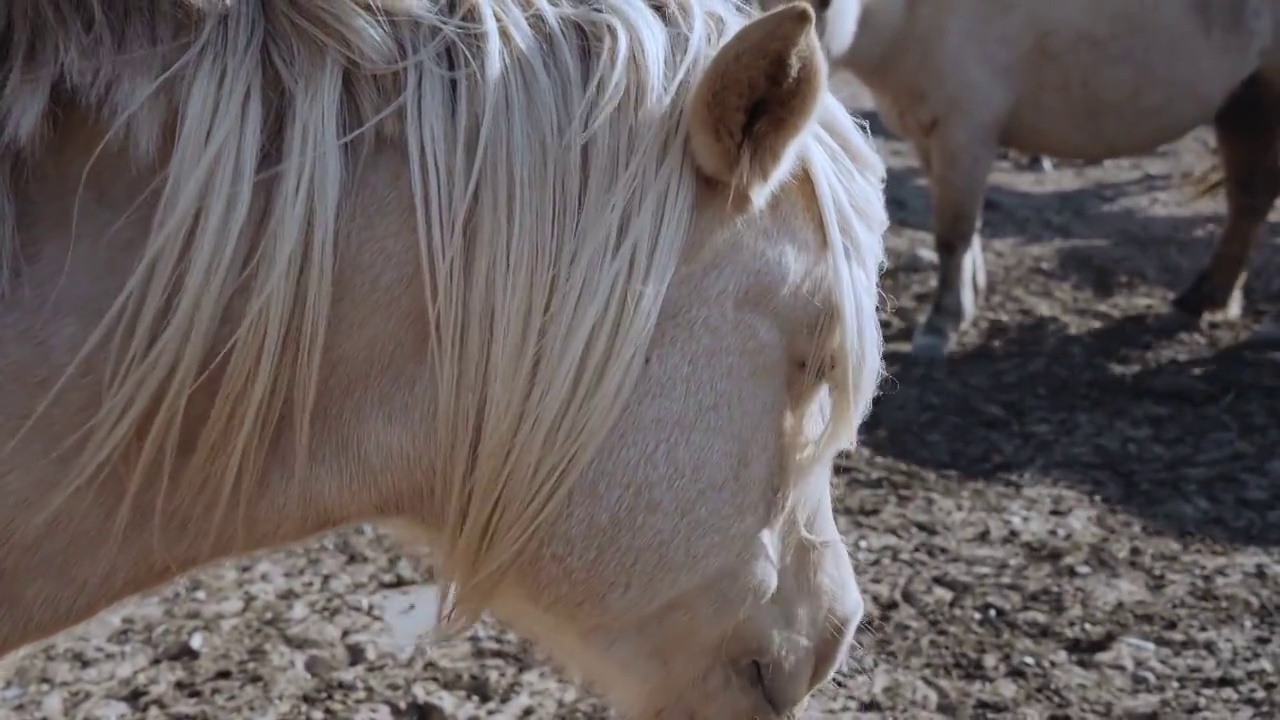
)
(241, 99)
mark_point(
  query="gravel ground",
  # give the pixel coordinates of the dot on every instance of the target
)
(1077, 516)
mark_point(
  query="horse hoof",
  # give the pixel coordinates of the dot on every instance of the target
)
(1201, 302)
(1189, 305)
(930, 345)
(1040, 163)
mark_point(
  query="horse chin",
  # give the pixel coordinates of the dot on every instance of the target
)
(720, 694)
(642, 685)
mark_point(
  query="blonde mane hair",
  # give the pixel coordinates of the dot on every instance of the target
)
(546, 146)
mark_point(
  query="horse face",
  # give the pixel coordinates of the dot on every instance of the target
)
(698, 572)
(706, 576)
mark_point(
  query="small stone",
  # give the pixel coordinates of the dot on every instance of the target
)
(422, 710)
(359, 653)
(130, 665)
(231, 607)
(1145, 705)
(374, 711)
(298, 611)
(107, 710)
(319, 666)
(53, 707)
(1005, 689)
(1145, 647)
(1117, 656)
(919, 693)
(188, 649)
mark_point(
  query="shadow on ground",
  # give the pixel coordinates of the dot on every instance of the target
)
(1188, 444)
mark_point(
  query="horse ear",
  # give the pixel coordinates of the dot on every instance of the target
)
(759, 94)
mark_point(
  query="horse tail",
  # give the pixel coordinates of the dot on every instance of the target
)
(1257, 94)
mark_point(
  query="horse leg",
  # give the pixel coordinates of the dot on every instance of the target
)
(1249, 148)
(1043, 163)
(958, 167)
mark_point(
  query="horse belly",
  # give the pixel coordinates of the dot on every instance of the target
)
(1098, 129)
(1126, 88)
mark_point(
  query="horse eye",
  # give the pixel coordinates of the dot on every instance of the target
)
(805, 367)
(821, 372)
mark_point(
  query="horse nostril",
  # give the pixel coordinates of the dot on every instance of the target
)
(779, 689)
(755, 675)
(756, 678)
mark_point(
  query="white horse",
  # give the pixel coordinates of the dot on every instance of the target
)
(583, 292)
(1080, 79)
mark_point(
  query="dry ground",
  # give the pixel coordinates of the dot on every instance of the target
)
(1078, 516)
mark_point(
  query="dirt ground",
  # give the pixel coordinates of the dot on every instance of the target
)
(1077, 516)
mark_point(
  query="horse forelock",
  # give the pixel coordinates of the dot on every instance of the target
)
(533, 166)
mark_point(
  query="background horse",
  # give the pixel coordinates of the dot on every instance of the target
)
(1086, 80)
(559, 285)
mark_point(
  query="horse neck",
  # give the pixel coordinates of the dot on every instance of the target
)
(67, 553)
